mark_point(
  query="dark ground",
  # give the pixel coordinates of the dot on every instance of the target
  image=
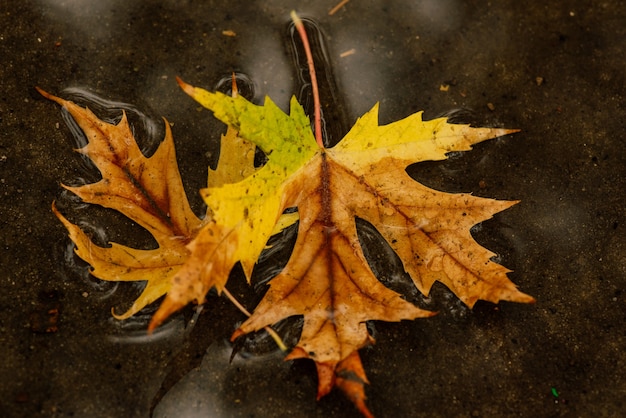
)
(553, 69)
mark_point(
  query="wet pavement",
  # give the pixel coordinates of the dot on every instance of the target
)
(556, 71)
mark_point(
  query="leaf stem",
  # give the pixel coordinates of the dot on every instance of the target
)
(316, 94)
(279, 342)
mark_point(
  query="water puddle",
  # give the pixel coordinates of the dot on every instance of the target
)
(205, 390)
(202, 379)
(147, 128)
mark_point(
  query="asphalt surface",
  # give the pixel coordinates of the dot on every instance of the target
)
(554, 70)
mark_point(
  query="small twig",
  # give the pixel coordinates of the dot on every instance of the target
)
(316, 94)
(347, 53)
(337, 7)
(279, 342)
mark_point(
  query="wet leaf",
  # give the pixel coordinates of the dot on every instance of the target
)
(148, 191)
(327, 279)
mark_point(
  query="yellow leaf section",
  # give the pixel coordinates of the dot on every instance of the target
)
(406, 141)
(285, 221)
(124, 264)
(149, 191)
(254, 205)
(236, 160)
(235, 163)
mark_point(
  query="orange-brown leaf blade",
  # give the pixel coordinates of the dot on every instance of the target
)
(430, 232)
(147, 190)
(328, 280)
(212, 258)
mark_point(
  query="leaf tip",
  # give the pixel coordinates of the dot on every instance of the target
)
(42, 92)
(238, 333)
(50, 96)
(154, 324)
(522, 297)
(123, 316)
(296, 353)
(508, 203)
(502, 131)
(167, 308)
(428, 314)
(187, 88)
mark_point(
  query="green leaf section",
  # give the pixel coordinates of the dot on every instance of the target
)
(254, 205)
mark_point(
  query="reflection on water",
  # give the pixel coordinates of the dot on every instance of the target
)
(202, 393)
(133, 329)
(147, 129)
(199, 393)
(91, 18)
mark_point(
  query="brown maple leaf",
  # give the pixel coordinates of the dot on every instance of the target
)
(327, 278)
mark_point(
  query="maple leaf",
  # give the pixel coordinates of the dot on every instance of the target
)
(327, 278)
(149, 191)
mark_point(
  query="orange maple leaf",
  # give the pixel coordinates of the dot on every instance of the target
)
(327, 278)
(149, 191)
